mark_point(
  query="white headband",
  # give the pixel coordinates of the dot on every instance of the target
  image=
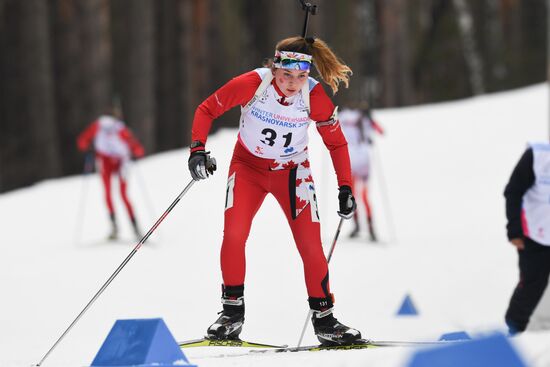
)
(292, 60)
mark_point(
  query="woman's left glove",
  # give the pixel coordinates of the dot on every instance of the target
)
(201, 164)
(138, 152)
(347, 202)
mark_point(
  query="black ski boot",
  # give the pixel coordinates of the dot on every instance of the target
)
(230, 322)
(327, 328)
(355, 232)
(114, 229)
(136, 228)
(372, 234)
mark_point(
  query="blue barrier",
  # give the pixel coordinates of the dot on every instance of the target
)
(494, 350)
(457, 335)
(407, 307)
(143, 343)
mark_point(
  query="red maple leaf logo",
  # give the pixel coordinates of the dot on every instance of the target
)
(289, 165)
(300, 204)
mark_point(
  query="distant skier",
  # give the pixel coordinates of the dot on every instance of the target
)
(271, 157)
(114, 146)
(528, 212)
(358, 127)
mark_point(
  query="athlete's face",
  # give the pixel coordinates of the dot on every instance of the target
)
(290, 81)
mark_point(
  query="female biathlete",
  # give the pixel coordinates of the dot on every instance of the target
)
(278, 103)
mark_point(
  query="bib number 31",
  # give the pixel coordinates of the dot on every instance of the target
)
(271, 136)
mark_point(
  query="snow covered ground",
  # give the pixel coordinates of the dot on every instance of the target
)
(437, 196)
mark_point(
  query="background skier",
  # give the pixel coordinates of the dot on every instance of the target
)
(114, 146)
(527, 210)
(358, 127)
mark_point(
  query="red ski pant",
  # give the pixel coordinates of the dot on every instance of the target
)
(250, 180)
(360, 190)
(108, 167)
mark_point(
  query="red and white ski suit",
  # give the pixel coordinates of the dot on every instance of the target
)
(270, 156)
(358, 128)
(114, 145)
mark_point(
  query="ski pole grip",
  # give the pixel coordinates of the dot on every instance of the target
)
(211, 165)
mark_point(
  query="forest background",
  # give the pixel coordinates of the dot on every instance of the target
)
(63, 62)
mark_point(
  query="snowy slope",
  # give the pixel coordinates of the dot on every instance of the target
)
(437, 197)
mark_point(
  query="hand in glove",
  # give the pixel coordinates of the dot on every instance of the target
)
(347, 202)
(138, 152)
(201, 165)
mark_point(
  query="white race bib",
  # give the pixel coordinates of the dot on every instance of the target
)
(272, 130)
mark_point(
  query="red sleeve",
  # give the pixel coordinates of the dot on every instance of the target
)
(332, 135)
(377, 127)
(85, 138)
(135, 147)
(238, 91)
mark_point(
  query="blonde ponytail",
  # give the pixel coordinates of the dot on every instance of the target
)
(332, 70)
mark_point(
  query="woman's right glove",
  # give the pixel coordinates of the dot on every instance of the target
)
(201, 165)
(347, 202)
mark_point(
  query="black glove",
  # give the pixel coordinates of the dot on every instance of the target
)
(347, 202)
(201, 165)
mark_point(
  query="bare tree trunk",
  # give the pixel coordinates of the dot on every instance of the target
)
(366, 80)
(286, 19)
(395, 55)
(4, 91)
(234, 37)
(82, 70)
(344, 42)
(133, 52)
(169, 68)
(199, 51)
(185, 15)
(495, 44)
(206, 70)
(66, 59)
(28, 141)
(260, 43)
(96, 55)
(473, 59)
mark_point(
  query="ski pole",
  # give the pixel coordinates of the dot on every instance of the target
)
(118, 270)
(385, 197)
(143, 186)
(328, 261)
(88, 168)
